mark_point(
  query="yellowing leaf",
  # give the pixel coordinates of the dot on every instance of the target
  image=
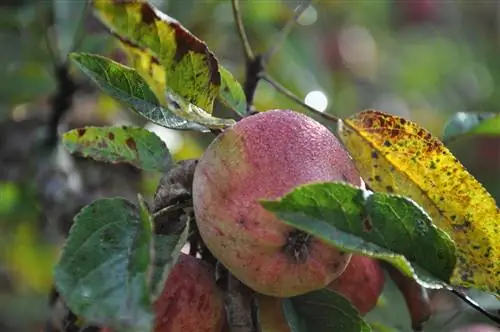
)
(191, 68)
(397, 156)
(148, 67)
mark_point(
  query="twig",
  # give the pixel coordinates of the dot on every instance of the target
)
(299, 10)
(247, 49)
(474, 305)
(254, 68)
(61, 101)
(284, 91)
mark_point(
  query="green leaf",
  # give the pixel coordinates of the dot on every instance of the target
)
(468, 124)
(232, 93)
(194, 113)
(102, 272)
(134, 145)
(167, 249)
(127, 86)
(191, 68)
(323, 310)
(384, 226)
(68, 16)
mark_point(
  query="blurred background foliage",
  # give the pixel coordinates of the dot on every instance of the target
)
(421, 59)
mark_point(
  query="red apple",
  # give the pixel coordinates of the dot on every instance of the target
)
(191, 300)
(361, 283)
(265, 156)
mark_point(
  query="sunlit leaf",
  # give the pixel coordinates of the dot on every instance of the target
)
(102, 272)
(191, 68)
(134, 145)
(127, 86)
(388, 227)
(232, 93)
(463, 123)
(166, 54)
(323, 310)
(396, 155)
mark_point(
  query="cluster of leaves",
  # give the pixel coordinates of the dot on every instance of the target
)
(113, 262)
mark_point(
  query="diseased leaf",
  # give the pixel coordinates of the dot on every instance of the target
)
(232, 93)
(323, 310)
(396, 155)
(133, 145)
(191, 68)
(148, 66)
(102, 272)
(167, 55)
(468, 124)
(167, 249)
(388, 227)
(128, 87)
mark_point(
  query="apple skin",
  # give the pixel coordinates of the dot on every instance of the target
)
(191, 300)
(361, 283)
(264, 156)
(271, 316)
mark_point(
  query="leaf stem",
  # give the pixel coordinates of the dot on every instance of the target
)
(299, 10)
(284, 91)
(474, 305)
(247, 49)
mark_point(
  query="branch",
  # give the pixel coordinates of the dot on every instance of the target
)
(299, 10)
(287, 93)
(247, 50)
(61, 102)
(474, 305)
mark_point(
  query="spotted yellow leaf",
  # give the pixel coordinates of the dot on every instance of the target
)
(398, 156)
(148, 67)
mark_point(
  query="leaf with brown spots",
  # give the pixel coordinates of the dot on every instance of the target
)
(170, 55)
(397, 155)
(136, 146)
(379, 225)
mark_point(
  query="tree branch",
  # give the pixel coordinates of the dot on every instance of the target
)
(247, 49)
(299, 10)
(474, 304)
(287, 93)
